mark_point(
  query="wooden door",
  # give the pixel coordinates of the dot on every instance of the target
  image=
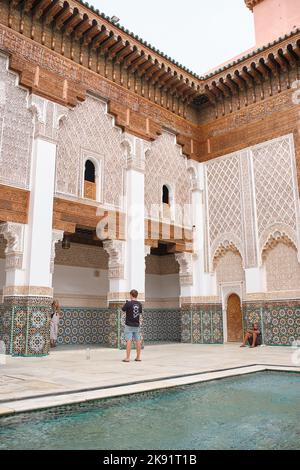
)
(234, 319)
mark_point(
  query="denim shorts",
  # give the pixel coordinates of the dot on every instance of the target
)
(132, 333)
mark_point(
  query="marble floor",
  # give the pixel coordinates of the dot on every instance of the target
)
(68, 376)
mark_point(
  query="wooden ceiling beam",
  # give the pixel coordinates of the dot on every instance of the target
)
(72, 22)
(131, 57)
(290, 56)
(151, 71)
(99, 38)
(263, 69)
(225, 88)
(28, 5)
(113, 50)
(123, 53)
(257, 74)
(40, 7)
(211, 96)
(82, 27)
(105, 45)
(89, 35)
(61, 17)
(143, 67)
(137, 62)
(53, 10)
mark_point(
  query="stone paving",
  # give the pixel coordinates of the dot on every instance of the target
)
(67, 376)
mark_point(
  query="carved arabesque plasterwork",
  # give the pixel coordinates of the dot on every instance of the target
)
(116, 260)
(275, 187)
(88, 127)
(135, 151)
(282, 265)
(224, 203)
(16, 130)
(14, 236)
(277, 236)
(165, 164)
(185, 261)
(47, 116)
(229, 268)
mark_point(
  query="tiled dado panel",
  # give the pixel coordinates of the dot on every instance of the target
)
(202, 324)
(88, 326)
(25, 330)
(279, 321)
(158, 325)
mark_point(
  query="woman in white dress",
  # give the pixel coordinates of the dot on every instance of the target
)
(54, 323)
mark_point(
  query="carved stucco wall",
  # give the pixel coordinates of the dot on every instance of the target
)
(250, 195)
(275, 188)
(89, 131)
(224, 202)
(161, 265)
(282, 268)
(229, 268)
(15, 147)
(165, 165)
(82, 256)
(2, 246)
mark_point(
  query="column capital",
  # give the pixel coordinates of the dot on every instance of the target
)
(14, 235)
(116, 253)
(185, 261)
(57, 236)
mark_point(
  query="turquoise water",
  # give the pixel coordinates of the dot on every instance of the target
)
(257, 411)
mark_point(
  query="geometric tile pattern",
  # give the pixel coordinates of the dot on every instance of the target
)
(157, 325)
(25, 330)
(88, 326)
(202, 324)
(279, 321)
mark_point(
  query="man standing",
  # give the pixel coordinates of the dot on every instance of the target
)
(133, 309)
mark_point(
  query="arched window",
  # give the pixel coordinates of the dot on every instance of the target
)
(166, 195)
(90, 189)
(167, 202)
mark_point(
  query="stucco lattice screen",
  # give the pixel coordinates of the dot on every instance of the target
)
(89, 130)
(274, 186)
(15, 147)
(165, 164)
(224, 198)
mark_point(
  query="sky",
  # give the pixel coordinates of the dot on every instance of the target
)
(199, 34)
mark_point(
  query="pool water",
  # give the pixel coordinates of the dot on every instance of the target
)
(256, 411)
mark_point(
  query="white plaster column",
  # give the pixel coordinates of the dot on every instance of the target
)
(204, 283)
(29, 250)
(38, 233)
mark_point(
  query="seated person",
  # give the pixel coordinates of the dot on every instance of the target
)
(253, 337)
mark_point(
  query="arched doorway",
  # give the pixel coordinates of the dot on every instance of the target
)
(234, 319)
